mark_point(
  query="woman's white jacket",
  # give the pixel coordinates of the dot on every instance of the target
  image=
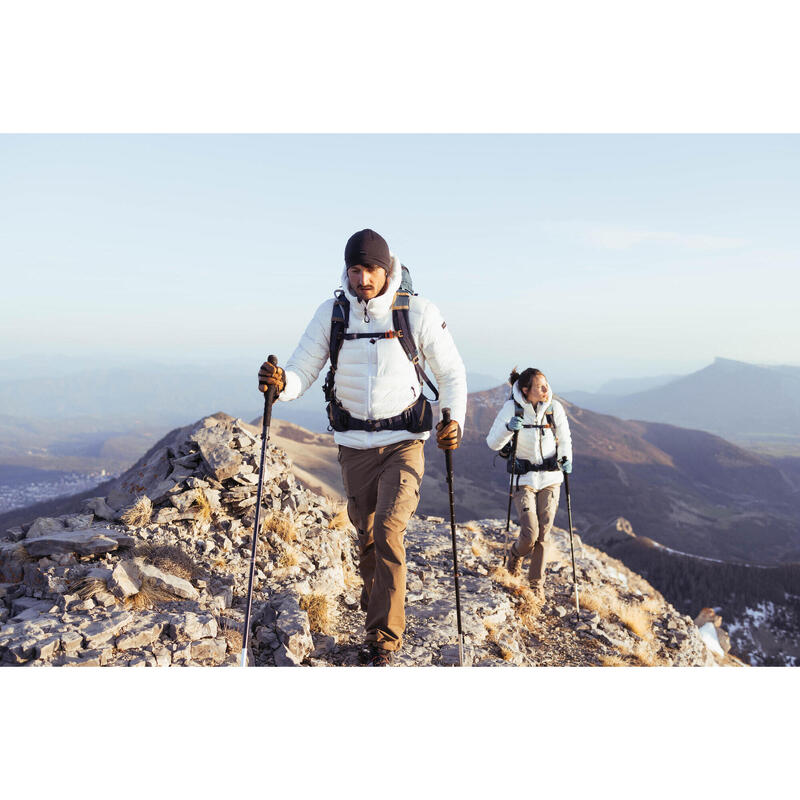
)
(374, 378)
(534, 444)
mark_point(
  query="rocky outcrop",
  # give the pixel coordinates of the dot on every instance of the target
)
(169, 587)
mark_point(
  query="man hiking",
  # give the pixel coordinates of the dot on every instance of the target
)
(379, 338)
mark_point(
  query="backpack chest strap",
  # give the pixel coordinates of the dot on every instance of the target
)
(373, 336)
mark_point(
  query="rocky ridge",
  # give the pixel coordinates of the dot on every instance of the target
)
(155, 574)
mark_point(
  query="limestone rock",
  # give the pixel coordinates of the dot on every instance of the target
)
(142, 633)
(184, 500)
(87, 542)
(169, 583)
(43, 526)
(124, 580)
(209, 650)
(14, 534)
(46, 648)
(147, 474)
(222, 461)
(193, 626)
(103, 630)
(71, 641)
(78, 522)
(293, 630)
(99, 508)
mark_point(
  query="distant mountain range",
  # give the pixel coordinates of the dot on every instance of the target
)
(739, 401)
(86, 419)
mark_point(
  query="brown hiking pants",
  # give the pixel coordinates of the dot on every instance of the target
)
(382, 486)
(536, 511)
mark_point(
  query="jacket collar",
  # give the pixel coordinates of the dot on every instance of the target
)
(381, 304)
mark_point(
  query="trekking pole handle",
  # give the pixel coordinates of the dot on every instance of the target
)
(445, 415)
(270, 394)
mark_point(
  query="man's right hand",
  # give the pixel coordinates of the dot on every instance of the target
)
(270, 375)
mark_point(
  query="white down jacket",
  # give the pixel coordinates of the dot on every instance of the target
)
(374, 378)
(534, 444)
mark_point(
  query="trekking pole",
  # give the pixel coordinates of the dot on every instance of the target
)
(269, 399)
(448, 457)
(571, 548)
(513, 462)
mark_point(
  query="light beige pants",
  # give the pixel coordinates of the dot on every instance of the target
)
(536, 512)
(382, 486)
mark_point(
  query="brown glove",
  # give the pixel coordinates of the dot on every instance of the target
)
(270, 375)
(448, 435)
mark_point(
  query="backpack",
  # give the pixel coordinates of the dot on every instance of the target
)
(418, 417)
(519, 466)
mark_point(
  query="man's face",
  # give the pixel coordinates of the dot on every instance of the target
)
(537, 391)
(366, 281)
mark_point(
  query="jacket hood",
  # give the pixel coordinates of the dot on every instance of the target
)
(523, 401)
(383, 302)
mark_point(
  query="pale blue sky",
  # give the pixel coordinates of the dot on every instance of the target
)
(582, 255)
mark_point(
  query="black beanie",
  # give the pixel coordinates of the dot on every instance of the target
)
(367, 248)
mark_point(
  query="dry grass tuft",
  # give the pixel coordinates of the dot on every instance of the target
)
(281, 525)
(139, 514)
(87, 588)
(318, 609)
(636, 619)
(201, 501)
(593, 602)
(502, 576)
(478, 546)
(530, 608)
(613, 661)
(471, 527)
(168, 558)
(232, 637)
(340, 519)
(644, 653)
(653, 603)
(149, 597)
(607, 603)
(505, 653)
(288, 558)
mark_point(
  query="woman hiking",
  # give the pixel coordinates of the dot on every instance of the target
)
(543, 451)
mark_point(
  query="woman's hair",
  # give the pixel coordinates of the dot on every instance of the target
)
(526, 378)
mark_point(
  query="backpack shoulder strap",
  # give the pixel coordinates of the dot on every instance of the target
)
(340, 318)
(402, 325)
(551, 420)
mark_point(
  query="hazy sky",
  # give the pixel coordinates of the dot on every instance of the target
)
(578, 254)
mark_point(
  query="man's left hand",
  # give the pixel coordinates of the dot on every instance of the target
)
(448, 435)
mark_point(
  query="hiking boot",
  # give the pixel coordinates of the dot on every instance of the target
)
(382, 658)
(513, 562)
(367, 652)
(537, 587)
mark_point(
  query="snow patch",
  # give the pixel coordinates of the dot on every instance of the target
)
(708, 633)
